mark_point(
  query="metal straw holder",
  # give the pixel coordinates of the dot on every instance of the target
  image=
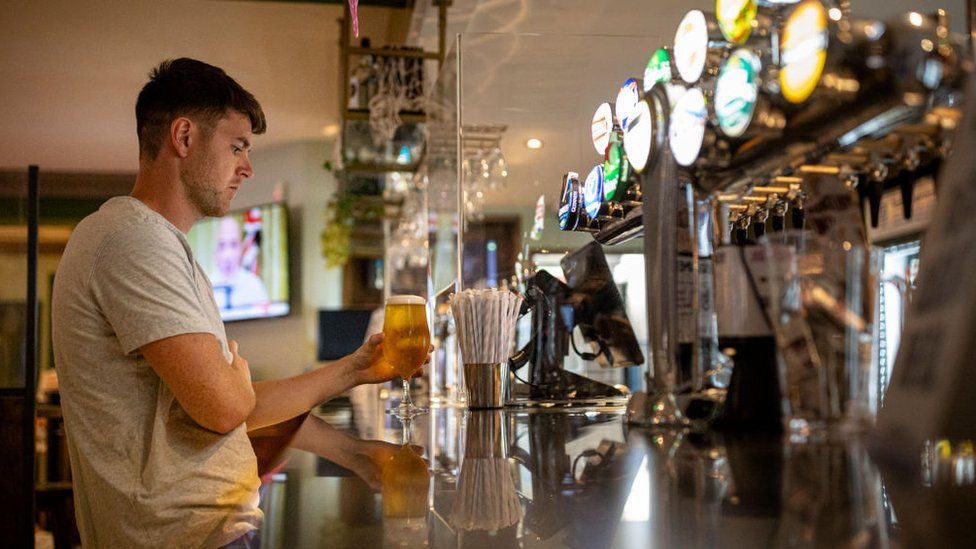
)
(484, 383)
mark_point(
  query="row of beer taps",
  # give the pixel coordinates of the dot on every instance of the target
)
(869, 168)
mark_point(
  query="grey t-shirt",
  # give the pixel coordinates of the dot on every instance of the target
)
(145, 474)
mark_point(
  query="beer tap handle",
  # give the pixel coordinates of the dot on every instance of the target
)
(877, 176)
(740, 236)
(779, 215)
(759, 222)
(741, 232)
(522, 356)
(907, 185)
(796, 212)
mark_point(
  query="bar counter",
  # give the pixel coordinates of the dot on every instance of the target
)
(584, 478)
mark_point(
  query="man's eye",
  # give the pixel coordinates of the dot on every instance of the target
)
(237, 150)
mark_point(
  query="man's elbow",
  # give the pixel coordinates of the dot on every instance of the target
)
(229, 417)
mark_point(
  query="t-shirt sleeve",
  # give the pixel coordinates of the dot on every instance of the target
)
(143, 282)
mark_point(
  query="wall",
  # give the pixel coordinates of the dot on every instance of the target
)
(286, 346)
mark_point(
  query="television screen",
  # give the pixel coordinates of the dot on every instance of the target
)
(245, 255)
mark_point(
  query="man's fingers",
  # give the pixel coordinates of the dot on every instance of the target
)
(232, 344)
(375, 339)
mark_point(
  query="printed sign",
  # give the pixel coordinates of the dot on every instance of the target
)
(540, 218)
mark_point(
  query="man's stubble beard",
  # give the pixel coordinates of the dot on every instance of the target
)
(201, 190)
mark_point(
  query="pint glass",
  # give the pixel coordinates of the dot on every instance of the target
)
(406, 342)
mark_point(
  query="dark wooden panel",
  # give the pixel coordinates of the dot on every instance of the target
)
(16, 520)
(75, 185)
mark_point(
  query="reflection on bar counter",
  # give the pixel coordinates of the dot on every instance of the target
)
(583, 478)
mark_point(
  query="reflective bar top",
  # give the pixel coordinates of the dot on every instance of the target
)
(352, 477)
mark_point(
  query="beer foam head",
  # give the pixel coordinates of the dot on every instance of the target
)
(406, 300)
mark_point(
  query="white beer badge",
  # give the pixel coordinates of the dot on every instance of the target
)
(691, 46)
(687, 128)
(637, 137)
(627, 99)
(601, 128)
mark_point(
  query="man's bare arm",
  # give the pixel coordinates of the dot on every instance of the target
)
(217, 395)
(282, 399)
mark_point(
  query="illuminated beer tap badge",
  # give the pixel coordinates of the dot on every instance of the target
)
(804, 46)
(735, 18)
(612, 169)
(658, 69)
(687, 128)
(637, 137)
(570, 203)
(593, 192)
(601, 127)
(736, 91)
(691, 46)
(627, 99)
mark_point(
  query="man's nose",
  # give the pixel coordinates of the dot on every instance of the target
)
(246, 170)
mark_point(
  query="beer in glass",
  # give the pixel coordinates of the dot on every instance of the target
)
(406, 341)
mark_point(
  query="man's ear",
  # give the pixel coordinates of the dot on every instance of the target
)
(180, 136)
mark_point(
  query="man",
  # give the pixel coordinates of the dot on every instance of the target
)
(234, 286)
(156, 401)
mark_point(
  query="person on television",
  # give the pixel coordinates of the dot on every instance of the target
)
(157, 401)
(234, 286)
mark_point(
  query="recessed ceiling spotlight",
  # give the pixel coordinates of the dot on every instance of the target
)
(835, 14)
(534, 143)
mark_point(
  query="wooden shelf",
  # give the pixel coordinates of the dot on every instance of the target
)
(378, 168)
(409, 117)
(394, 53)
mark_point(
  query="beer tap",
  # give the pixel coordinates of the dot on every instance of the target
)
(740, 218)
(759, 222)
(919, 156)
(779, 210)
(877, 175)
(796, 208)
(795, 196)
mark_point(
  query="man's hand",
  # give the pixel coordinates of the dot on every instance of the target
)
(368, 365)
(238, 363)
(278, 400)
(374, 456)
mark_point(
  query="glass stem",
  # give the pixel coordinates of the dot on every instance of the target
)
(406, 402)
(405, 434)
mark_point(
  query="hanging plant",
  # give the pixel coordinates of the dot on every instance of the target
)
(337, 235)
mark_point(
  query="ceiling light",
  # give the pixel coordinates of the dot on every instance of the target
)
(835, 14)
(915, 18)
(331, 130)
(534, 143)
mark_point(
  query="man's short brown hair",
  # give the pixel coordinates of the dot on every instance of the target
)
(191, 88)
